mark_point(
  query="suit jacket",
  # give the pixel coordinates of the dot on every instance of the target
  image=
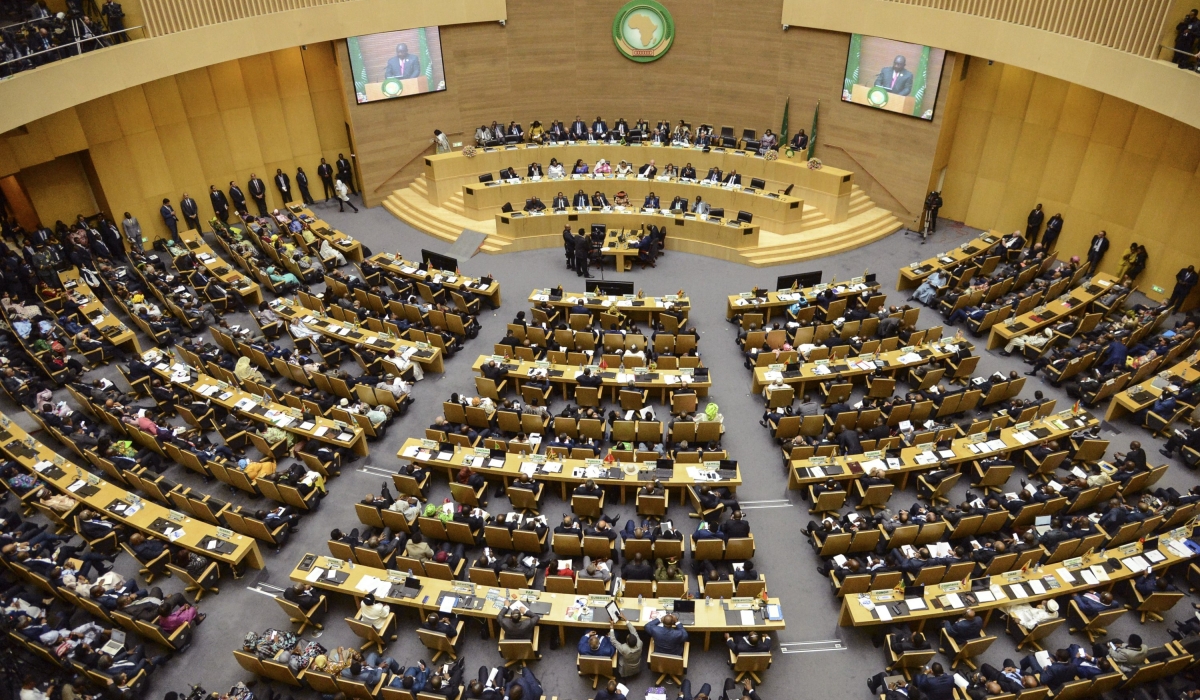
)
(188, 207)
(897, 83)
(648, 170)
(410, 67)
(257, 189)
(325, 171)
(239, 199)
(301, 179)
(283, 182)
(219, 201)
(650, 203)
(935, 687)
(580, 200)
(1095, 252)
(168, 214)
(733, 180)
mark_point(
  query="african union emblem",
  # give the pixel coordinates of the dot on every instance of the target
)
(643, 30)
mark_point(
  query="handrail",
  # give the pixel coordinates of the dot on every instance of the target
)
(871, 175)
(406, 164)
(66, 47)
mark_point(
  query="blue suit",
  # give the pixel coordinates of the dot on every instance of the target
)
(530, 686)
(667, 640)
(964, 630)
(1091, 606)
(935, 687)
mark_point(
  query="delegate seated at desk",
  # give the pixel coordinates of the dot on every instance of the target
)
(534, 204)
(700, 206)
(714, 174)
(651, 201)
(580, 200)
(534, 170)
(688, 172)
(896, 79)
(599, 200)
(733, 178)
(680, 203)
(560, 201)
(648, 170)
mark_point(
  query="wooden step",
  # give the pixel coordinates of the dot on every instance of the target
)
(852, 233)
(415, 210)
(420, 187)
(455, 204)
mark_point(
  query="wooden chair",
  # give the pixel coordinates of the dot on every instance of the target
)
(668, 665)
(937, 494)
(591, 507)
(1157, 602)
(1094, 627)
(196, 586)
(1031, 638)
(596, 666)
(655, 506)
(439, 643)
(518, 651)
(373, 636)
(827, 501)
(298, 614)
(873, 497)
(906, 661)
(750, 664)
(146, 569)
(965, 653)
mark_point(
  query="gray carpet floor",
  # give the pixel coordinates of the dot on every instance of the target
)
(835, 669)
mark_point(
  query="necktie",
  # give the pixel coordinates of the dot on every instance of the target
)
(893, 80)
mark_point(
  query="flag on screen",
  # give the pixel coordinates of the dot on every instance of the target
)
(426, 61)
(783, 130)
(812, 135)
(356, 59)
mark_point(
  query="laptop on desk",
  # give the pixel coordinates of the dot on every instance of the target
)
(685, 610)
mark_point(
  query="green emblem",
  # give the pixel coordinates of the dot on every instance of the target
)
(643, 30)
(391, 87)
(877, 96)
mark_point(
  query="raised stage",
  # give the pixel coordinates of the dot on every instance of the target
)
(799, 213)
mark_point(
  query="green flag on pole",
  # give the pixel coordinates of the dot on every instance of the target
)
(426, 60)
(783, 130)
(812, 136)
(356, 59)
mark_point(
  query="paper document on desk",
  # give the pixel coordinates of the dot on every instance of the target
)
(1089, 578)
(1154, 556)
(1099, 572)
(1136, 563)
(448, 604)
(885, 615)
(1037, 587)
(1019, 591)
(996, 444)
(984, 596)
(314, 575)
(915, 604)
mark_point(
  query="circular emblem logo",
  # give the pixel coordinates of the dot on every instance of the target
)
(877, 96)
(643, 30)
(391, 87)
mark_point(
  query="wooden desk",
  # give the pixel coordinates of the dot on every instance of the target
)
(779, 213)
(710, 617)
(850, 368)
(828, 189)
(255, 407)
(97, 314)
(911, 277)
(599, 303)
(430, 358)
(800, 477)
(518, 370)
(218, 269)
(350, 248)
(1073, 302)
(397, 265)
(743, 303)
(1069, 581)
(413, 450)
(724, 236)
(1125, 402)
(197, 534)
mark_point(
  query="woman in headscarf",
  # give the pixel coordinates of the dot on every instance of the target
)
(327, 251)
(603, 167)
(243, 370)
(281, 277)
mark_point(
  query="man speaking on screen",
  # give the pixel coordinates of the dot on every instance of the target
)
(404, 65)
(895, 79)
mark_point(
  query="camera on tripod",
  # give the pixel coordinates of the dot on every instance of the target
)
(933, 202)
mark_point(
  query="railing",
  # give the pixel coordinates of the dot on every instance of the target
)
(170, 16)
(74, 48)
(420, 154)
(1133, 26)
(869, 174)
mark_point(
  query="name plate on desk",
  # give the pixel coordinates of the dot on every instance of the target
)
(873, 454)
(175, 516)
(224, 533)
(430, 444)
(1073, 563)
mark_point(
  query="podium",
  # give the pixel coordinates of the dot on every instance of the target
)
(895, 103)
(411, 86)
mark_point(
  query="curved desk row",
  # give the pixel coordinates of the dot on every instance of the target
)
(727, 236)
(828, 189)
(779, 213)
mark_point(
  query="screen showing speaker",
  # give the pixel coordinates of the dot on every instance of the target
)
(893, 76)
(396, 64)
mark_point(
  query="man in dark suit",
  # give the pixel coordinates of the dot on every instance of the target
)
(965, 628)
(896, 79)
(345, 174)
(169, 218)
(714, 174)
(733, 178)
(259, 192)
(651, 201)
(1034, 224)
(937, 684)
(578, 129)
(648, 170)
(580, 200)
(534, 204)
(599, 199)
(220, 203)
(238, 197)
(560, 202)
(284, 184)
(302, 185)
(1053, 228)
(191, 211)
(403, 65)
(1096, 250)
(581, 254)
(599, 128)
(325, 172)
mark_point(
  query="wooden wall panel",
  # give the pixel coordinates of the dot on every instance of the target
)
(59, 189)
(731, 65)
(183, 133)
(1102, 162)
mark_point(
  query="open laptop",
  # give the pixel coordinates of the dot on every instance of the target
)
(115, 643)
(685, 610)
(1041, 524)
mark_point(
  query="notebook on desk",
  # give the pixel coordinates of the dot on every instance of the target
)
(115, 643)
